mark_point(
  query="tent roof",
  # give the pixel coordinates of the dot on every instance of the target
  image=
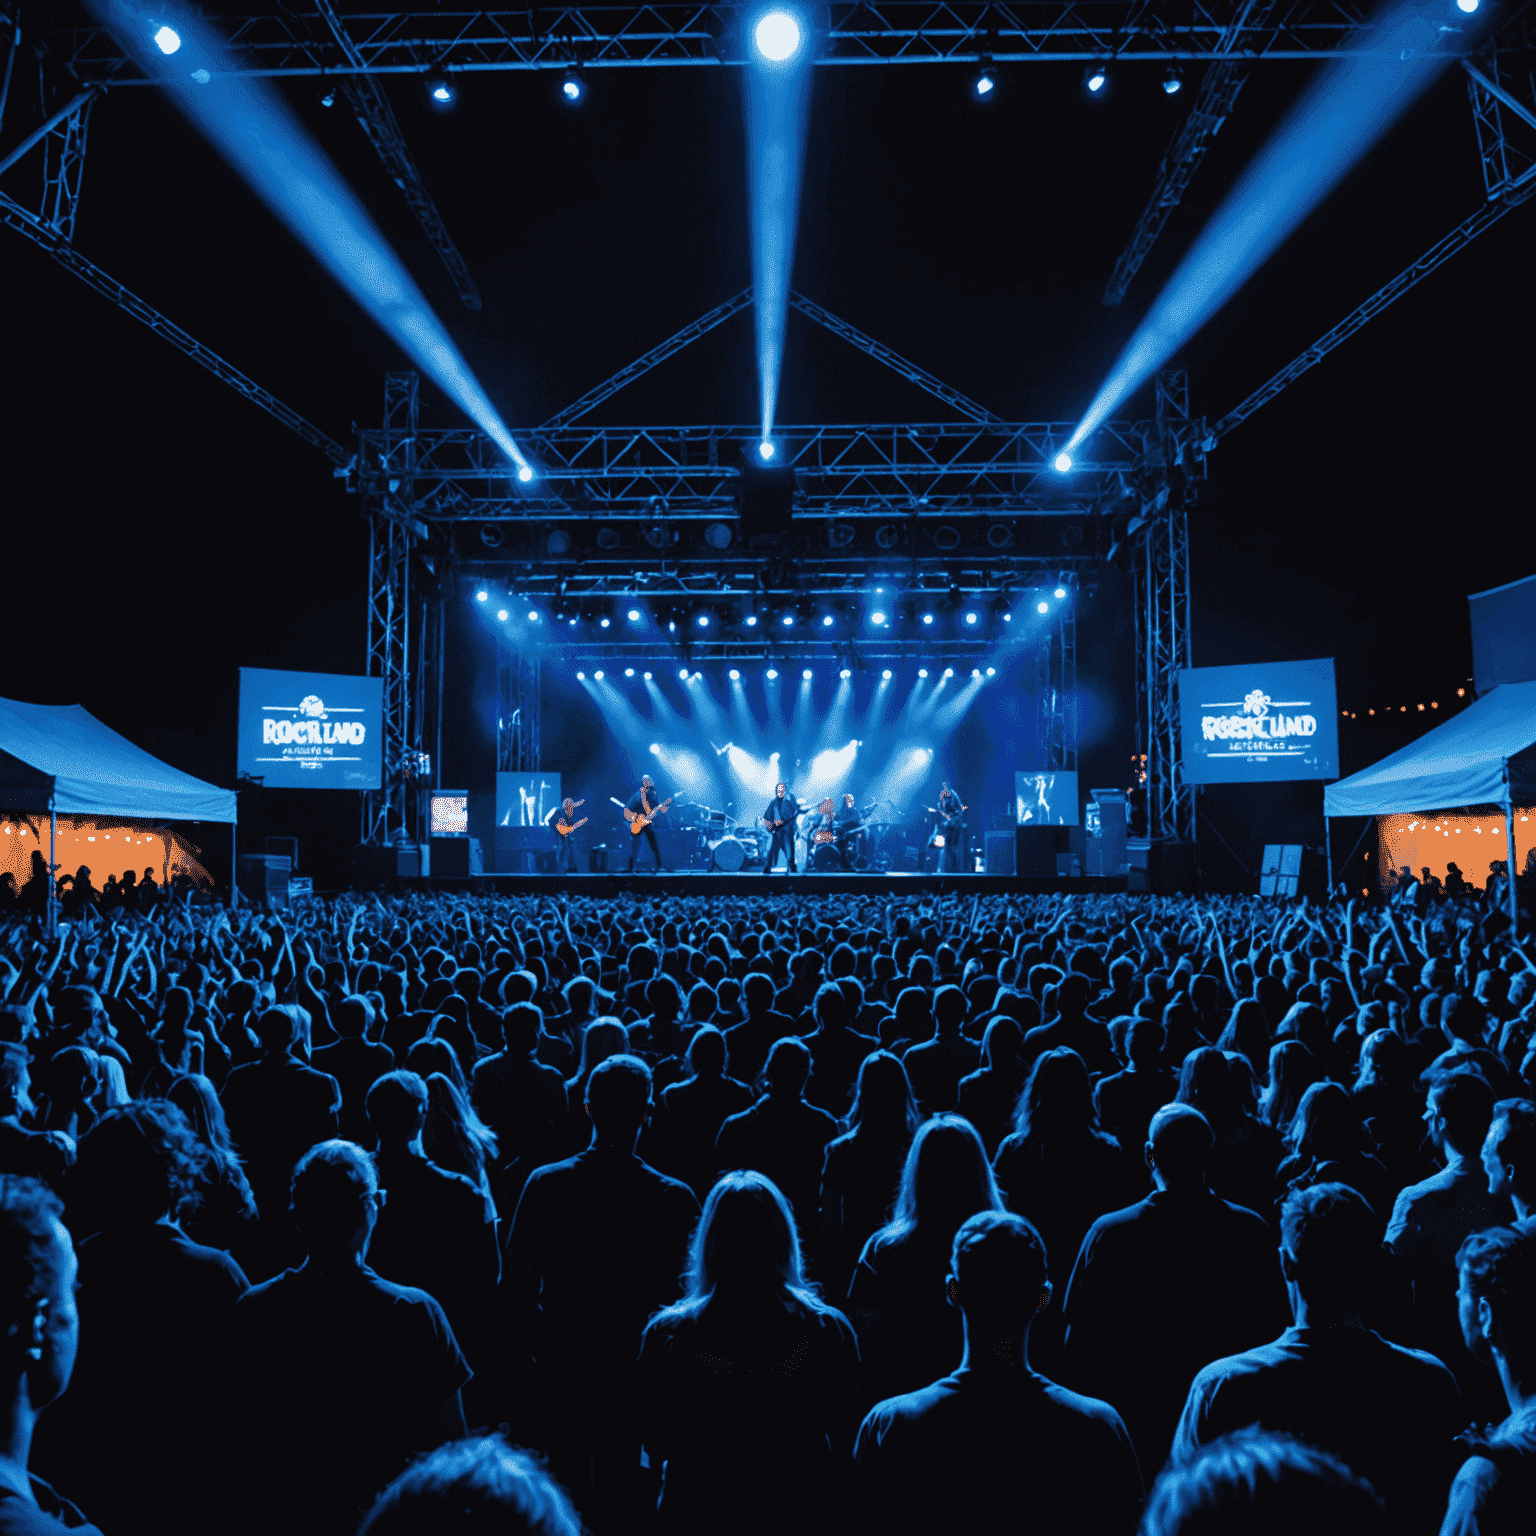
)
(1462, 762)
(60, 755)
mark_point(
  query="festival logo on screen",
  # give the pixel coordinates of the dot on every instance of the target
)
(312, 734)
(1261, 727)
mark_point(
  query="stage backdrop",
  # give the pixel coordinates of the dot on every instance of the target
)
(1045, 799)
(525, 799)
(1259, 724)
(311, 730)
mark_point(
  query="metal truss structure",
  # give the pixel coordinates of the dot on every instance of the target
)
(519, 705)
(1162, 617)
(853, 33)
(1056, 694)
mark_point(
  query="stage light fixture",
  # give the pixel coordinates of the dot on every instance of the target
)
(826, 622)
(751, 621)
(501, 613)
(927, 618)
(480, 597)
(1095, 77)
(970, 618)
(845, 674)
(329, 99)
(703, 621)
(765, 450)
(629, 671)
(572, 87)
(984, 86)
(777, 36)
(598, 676)
(646, 676)
(656, 748)
(1466, 7)
(1061, 591)
(574, 623)
(806, 675)
(442, 91)
(581, 677)
(606, 623)
(975, 671)
(877, 617)
(885, 676)
(525, 474)
(1007, 618)
(1173, 80)
(633, 615)
(991, 671)
(772, 674)
(1063, 462)
(949, 671)
(922, 671)
(533, 615)
(1042, 607)
(167, 40)
(789, 621)
(734, 675)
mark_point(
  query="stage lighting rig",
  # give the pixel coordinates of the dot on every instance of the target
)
(1173, 78)
(573, 88)
(777, 36)
(443, 92)
(984, 86)
(1096, 78)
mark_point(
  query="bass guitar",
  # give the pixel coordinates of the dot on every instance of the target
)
(640, 820)
(565, 828)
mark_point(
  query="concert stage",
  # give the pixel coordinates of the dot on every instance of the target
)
(748, 883)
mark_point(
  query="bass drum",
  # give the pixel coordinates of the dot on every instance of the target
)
(729, 854)
(824, 856)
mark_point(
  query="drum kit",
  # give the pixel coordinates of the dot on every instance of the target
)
(726, 845)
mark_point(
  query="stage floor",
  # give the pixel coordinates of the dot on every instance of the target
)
(754, 882)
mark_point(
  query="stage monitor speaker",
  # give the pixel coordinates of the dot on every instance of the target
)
(1035, 850)
(456, 858)
(1002, 852)
(264, 878)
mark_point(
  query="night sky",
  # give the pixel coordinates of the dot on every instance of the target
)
(163, 532)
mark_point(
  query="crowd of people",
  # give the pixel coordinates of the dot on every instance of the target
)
(756, 1213)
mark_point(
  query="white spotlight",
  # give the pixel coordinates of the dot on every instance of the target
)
(975, 671)
(655, 747)
(806, 674)
(581, 677)
(845, 674)
(525, 474)
(646, 676)
(949, 671)
(598, 676)
(480, 597)
(606, 623)
(927, 618)
(1042, 607)
(877, 618)
(1063, 462)
(771, 674)
(789, 621)
(533, 615)
(751, 621)
(886, 675)
(573, 87)
(826, 622)
(167, 40)
(1061, 591)
(777, 36)
(970, 618)
(629, 671)
(703, 621)
(501, 613)
(734, 675)
(634, 615)
(991, 671)
(682, 672)
(1466, 7)
(984, 85)
(765, 449)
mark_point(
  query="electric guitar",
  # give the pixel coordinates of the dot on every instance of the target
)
(565, 828)
(949, 818)
(639, 821)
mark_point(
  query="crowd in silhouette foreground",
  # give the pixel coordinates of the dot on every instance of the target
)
(748, 1215)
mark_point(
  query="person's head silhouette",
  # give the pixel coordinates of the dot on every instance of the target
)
(1178, 1150)
(787, 1068)
(335, 1200)
(618, 1102)
(1509, 1153)
(1496, 1278)
(397, 1110)
(999, 1280)
(1330, 1252)
(746, 1245)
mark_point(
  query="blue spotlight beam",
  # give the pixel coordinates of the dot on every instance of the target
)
(778, 103)
(1342, 115)
(377, 119)
(1441, 251)
(253, 128)
(14, 216)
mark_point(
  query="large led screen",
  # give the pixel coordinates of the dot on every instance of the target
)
(1259, 724)
(311, 730)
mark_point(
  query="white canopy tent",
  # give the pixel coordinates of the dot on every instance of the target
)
(1486, 755)
(60, 759)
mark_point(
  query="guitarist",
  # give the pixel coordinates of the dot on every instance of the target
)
(644, 803)
(564, 814)
(950, 812)
(780, 819)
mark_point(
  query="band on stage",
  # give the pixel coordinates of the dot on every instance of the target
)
(792, 831)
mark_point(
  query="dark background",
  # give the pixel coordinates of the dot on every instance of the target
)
(162, 532)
